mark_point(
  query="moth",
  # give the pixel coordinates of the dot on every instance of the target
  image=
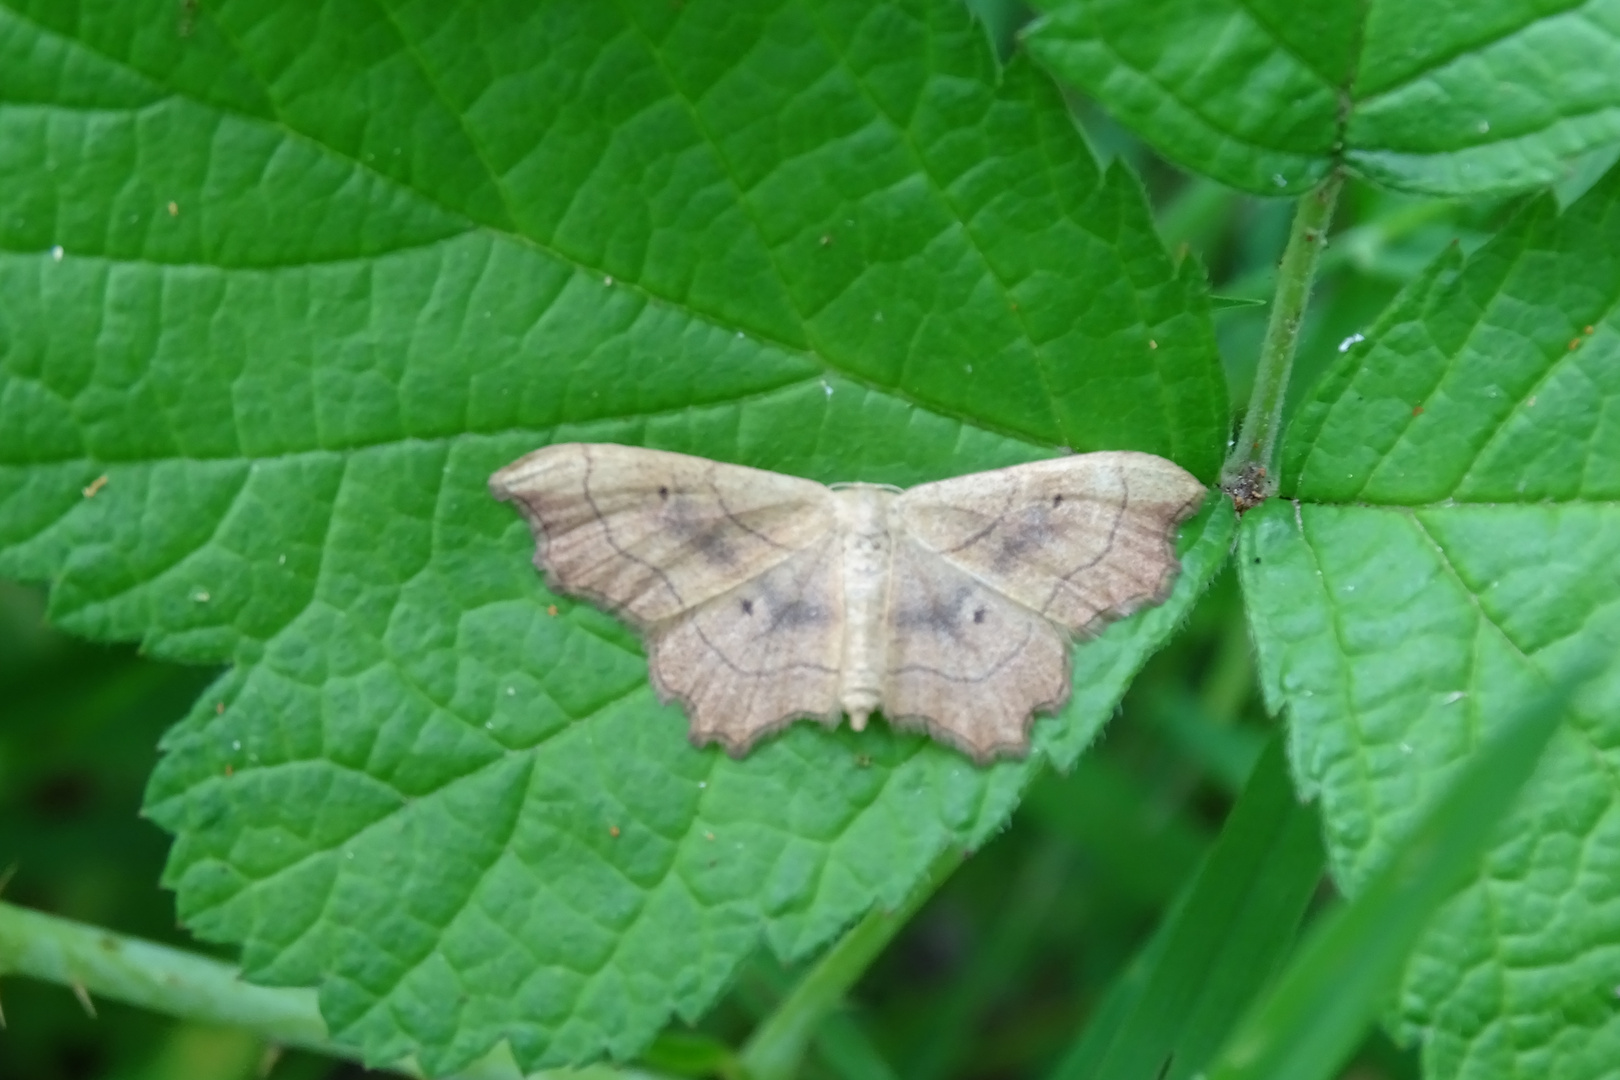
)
(766, 598)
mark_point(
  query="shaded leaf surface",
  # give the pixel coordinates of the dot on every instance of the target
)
(1449, 99)
(296, 280)
(1430, 582)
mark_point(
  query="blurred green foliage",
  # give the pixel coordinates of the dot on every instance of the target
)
(81, 724)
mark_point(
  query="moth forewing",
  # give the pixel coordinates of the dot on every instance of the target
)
(765, 598)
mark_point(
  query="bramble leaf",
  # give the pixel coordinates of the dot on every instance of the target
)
(294, 280)
(1449, 99)
(1451, 553)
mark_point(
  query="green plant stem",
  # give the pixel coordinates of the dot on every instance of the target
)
(101, 964)
(1361, 248)
(1251, 461)
(776, 1049)
(153, 976)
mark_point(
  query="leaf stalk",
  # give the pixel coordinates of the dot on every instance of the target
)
(1250, 473)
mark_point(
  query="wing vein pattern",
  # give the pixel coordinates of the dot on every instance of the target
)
(766, 598)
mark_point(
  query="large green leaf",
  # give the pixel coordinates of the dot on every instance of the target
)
(295, 279)
(1454, 548)
(1446, 98)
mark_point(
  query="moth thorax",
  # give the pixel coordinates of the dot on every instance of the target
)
(863, 517)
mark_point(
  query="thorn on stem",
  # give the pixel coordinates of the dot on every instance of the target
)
(84, 999)
(268, 1059)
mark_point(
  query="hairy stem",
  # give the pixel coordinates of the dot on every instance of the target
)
(777, 1047)
(96, 963)
(1250, 472)
(141, 973)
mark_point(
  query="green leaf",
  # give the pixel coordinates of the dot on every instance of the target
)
(1449, 99)
(1488, 383)
(1348, 969)
(1221, 944)
(296, 280)
(1401, 637)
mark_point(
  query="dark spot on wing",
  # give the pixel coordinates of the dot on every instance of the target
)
(784, 611)
(797, 613)
(1057, 500)
(978, 615)
(688, 520)
(1023, 533)
(714, 545)
(663, 492)
(942, 615)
